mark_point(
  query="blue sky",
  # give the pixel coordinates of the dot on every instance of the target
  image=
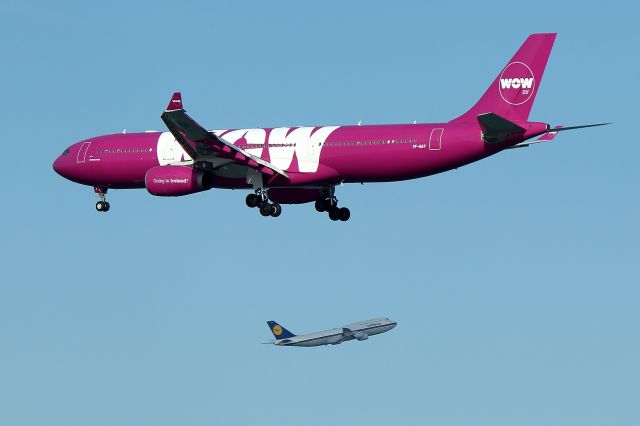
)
(514, 280)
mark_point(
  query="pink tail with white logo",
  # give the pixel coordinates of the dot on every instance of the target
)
(512, 93)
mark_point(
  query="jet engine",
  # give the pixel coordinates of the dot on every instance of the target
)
(360, 335)
(173, 181)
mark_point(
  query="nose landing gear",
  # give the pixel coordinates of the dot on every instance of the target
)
(261, 200)
(102, 205)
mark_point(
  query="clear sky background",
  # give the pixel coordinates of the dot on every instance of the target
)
(514, 280)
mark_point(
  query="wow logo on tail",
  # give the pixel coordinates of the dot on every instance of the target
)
(516, 83)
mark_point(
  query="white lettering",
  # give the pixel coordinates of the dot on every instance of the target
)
(284, 142)
(516, 83)
(251, 136)
(309, 152)
(170, 180)
(526, 82)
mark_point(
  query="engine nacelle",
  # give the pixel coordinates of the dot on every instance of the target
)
(360, 335)
(173, 181)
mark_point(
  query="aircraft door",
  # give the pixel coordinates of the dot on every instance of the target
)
(82, 152)
(435, 139)
(168, 154)
(167, 149)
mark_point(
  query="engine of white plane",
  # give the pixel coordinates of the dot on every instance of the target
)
(360, 335)
(173, 181)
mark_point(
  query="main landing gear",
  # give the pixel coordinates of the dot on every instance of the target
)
(329, 204)
(261, 200)
(102, 205)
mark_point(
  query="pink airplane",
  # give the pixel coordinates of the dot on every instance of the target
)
(294, 165)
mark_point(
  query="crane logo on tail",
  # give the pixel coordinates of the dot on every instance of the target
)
(516, 83)
(277, 330)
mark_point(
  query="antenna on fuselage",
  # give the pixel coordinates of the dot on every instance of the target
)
(124, 131)
(360, 123)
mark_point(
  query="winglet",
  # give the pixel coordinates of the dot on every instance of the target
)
(175, 104)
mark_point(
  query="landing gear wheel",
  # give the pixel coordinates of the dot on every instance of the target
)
(275, 210)
(102, 205)
(252, 200)
(330, 204)
(265, 209)
(344, 214)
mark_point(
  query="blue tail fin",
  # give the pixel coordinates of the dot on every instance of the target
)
(279, 331)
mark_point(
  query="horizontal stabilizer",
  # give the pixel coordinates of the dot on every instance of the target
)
(496, 129)
(551, 133)
(547, 137)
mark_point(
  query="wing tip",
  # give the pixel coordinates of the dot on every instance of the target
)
(175, 104)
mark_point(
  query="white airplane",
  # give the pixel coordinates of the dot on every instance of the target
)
(359, 330)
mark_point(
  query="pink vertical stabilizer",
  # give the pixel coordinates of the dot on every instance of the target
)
(512, 93)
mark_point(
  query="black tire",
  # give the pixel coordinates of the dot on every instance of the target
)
(344, 214)
(320, 206)
(100, 206)
(252, 200)
(107, 206)
(334, 214)
(276, 210)
(265, 209)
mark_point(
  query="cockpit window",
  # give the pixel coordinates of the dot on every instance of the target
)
(66, 151)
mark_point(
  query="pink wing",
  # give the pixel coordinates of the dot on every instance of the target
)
(198, 142)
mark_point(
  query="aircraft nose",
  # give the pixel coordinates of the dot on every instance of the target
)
(58, 166)
(62, 164)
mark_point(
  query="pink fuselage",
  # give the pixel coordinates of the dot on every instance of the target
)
(349, 154)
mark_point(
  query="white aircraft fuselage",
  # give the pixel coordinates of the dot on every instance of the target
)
(355, 331)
